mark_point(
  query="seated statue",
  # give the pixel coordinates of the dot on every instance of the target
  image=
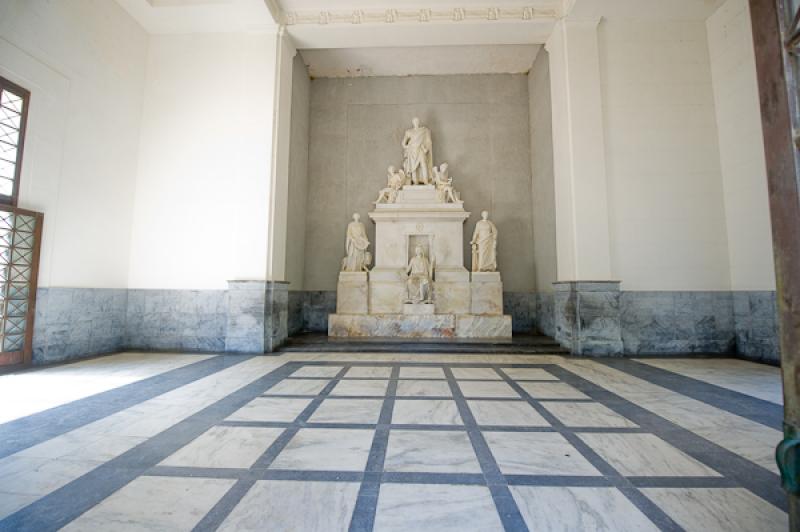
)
(444, 184)
(420, 277)
(396, 180)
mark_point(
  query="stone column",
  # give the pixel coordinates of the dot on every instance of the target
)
(587, 317)
(579, 165)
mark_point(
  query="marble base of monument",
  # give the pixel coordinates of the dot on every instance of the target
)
(418, 309)
(419, 326)
(352, 293)
(487, 294)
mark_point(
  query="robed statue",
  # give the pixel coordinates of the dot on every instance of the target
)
(395, 181)
(420, 277)
(484, 245)
(445, 192)
(356, 244)
(418, 154)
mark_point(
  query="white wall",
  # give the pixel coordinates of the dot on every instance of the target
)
(544, 216)
(203, 185)
(730, 43)
(666, 213)
(84, 63)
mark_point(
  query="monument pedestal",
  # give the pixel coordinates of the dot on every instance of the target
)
(487, 294)
(352, 293)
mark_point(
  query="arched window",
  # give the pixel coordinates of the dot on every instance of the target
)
(13, 114)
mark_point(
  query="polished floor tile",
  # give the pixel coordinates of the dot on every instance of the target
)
(529, 374)
(368, 372)
(297, 387)
(361, 388)
(326, 450)
(348, 411)
(537, 453)
(506, 413)
(270, 409)
(476, 373)
(294, 506)
(413, 388)
(486, 389)
(421, 373)
(587, 415)
(705, 509)
(443, 508)
(430, 452)
(317, 371)
(546, 508)
(426, 412)
(552, 390)
(154, 503)
(644, 455)
(226, 447)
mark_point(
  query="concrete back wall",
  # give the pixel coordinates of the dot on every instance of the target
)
(480, 127)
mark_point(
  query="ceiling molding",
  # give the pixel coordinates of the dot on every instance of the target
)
(423, 15)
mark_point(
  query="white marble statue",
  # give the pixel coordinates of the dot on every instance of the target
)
(396, 180)
(418, 154)
(444, 184)
(420, 277)
(356, 243)
(484, 245)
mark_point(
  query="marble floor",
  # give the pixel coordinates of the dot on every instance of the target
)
(338, 441)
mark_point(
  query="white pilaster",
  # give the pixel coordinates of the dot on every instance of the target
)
(279, 219)
(582, 229)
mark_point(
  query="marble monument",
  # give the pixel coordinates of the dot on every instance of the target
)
(419, 286)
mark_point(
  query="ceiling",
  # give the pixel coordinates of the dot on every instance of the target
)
(402, 37)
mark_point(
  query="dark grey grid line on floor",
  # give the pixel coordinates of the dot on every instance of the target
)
(745, 473)
(366, 507)
(225, 506)
(434, 428)
(506, 506)
(63, 505)
(59, 508)
(31, 430)
(746, 406)
(645, 505)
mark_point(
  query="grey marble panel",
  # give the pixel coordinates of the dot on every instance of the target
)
(276, 315)
(677, 322)
(587, 317)
(755, 317)
(296, 303)
(521, 306)
(545, 314)
(176, 320)
(77, 322)
(316, 307)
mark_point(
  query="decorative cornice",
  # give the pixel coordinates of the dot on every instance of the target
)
(421, 16)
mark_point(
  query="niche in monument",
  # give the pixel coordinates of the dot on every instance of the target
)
(419, 286)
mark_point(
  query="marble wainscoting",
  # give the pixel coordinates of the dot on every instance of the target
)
(587, 317)
(296, 300)
(257, 316)
(521, 306)
(544, 322)
(185, 320)
(677, 322)
(755, 317)
(77, 322)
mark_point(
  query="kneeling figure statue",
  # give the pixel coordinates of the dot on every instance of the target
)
(420, 278)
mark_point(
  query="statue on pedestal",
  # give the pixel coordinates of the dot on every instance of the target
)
(420, 278)
(444, 184)
(484, 245)
(418, 154)
(396, 180)
(356, 243)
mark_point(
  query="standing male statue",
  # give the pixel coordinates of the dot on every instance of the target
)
(356, 244)
(418, 154)
(420, 276)
(484, 245)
